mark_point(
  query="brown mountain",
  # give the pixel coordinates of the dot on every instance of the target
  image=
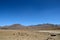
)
(45, 27)
(14, 26)
(33, 27)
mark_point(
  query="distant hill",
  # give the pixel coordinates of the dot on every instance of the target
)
(14, 26)
(45, 27)
(32, 27)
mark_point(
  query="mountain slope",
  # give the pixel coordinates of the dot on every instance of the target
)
(33, 27)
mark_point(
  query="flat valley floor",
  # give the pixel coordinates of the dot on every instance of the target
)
(29, 35)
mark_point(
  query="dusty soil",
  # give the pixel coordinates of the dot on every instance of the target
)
(27, 35)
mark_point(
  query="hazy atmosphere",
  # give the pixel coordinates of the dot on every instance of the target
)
(29, 12)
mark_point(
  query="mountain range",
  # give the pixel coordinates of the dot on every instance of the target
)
(32, 27)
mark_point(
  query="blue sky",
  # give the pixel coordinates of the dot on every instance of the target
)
(29, 12)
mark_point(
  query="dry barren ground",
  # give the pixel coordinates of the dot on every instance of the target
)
(27, 35)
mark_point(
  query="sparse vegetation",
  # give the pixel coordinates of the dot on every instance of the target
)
(19, 32)
(26, 35)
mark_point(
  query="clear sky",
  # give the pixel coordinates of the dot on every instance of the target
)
(29, 12)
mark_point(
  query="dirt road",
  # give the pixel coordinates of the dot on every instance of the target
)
(51, 31)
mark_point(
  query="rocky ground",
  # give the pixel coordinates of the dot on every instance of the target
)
(27, 35)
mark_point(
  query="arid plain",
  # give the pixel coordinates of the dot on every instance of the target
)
(18, 32)
(28, 35)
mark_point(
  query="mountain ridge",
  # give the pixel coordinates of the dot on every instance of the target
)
(35, 27)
